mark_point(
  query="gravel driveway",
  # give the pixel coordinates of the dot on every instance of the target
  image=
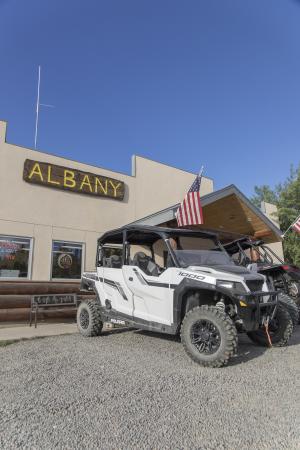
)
(136, 390)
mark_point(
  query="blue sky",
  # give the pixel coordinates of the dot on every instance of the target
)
(183, 82)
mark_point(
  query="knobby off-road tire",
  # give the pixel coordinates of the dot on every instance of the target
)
(89, 321)
(218, 329)
(295, 295)
(280, 330)
(291, 307)
(294, 291)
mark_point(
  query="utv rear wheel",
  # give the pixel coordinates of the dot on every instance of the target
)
(89, 321)
(280, 330)
(209, 336)
(291, 307)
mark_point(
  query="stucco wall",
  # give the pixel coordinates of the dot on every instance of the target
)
(270, 211)
(159, 186)
(44, 214)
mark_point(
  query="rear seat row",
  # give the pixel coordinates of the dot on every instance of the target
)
(144, 262)
(113, 261)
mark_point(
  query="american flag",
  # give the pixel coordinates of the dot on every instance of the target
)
(296, 226)
(190, 210)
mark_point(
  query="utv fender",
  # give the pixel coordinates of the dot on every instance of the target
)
(187, 285)
(88, 283)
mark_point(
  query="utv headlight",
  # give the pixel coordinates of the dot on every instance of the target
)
(225, 284)
(236, 287)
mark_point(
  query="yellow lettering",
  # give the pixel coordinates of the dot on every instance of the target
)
(49, 176)
(115, 187)
(69, 180)
(36, 170)
(98, 182)
(86, 182)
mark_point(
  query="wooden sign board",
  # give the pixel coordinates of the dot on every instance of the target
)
(73, 180)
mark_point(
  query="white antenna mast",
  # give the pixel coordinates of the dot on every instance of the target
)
(37, 108)
(38, 104)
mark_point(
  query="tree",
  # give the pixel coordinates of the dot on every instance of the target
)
(286, 197)
(263, 193)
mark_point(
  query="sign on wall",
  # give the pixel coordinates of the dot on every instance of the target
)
(74, 180)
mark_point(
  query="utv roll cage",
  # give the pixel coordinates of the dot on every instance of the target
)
(240, 245)
(148, 235)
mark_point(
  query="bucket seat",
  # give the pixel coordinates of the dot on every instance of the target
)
(146, 264)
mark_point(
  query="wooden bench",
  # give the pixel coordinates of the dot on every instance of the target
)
(50, 301)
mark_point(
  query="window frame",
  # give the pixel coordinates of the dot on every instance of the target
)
(30, 259)
(63, 280)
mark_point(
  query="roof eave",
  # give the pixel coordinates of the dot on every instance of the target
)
(168, 214)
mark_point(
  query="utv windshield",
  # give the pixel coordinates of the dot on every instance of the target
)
(192, 251)
(202, 258)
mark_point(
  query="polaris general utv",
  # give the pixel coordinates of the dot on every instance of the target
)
(281, 276)
(180, 281)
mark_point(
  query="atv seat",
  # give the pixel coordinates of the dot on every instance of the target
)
(146, 264)
(113, 262)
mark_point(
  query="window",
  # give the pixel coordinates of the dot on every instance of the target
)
(111, 256)
(67, 260)
(15, 257)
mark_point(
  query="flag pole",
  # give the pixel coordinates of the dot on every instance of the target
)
(290, 226)
(37, 108)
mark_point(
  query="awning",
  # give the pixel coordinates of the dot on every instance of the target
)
(226, 211)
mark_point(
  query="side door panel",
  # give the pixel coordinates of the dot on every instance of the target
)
(116, 291)
(152, 296)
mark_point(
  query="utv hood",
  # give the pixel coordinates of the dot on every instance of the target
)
(228, 268)
(237, 270)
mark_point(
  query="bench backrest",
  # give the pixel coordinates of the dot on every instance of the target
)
(54, 300)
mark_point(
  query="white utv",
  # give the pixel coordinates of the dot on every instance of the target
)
(180, 281)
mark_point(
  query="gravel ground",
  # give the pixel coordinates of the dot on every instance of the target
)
(136, 390)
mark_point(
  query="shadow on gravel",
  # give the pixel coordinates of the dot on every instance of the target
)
(246, 351)
(111, 331)
(167, 337)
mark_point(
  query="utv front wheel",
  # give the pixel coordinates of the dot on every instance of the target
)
(89, 321)
(209, 336)
(280, 330)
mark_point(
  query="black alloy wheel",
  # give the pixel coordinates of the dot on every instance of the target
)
(205, 337)
(84, 319)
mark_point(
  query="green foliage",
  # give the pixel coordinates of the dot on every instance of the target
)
(263, 193)
(286, 197)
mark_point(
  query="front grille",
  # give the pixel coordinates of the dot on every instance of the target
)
(255, 285)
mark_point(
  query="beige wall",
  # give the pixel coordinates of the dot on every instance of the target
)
(45, 214)
(270, 211)
(159, 186)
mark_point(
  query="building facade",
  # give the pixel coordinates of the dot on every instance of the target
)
(52, 210)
